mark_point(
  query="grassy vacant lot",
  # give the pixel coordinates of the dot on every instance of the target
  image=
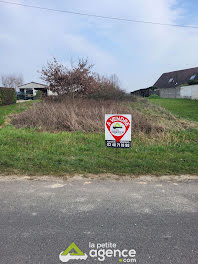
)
(29, 151)
(14, 108)
(184, 108)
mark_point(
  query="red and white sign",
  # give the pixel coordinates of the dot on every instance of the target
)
(118, 130)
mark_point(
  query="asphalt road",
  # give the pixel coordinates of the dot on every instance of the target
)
(41, 218)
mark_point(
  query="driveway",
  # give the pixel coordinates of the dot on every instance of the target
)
(41, 218)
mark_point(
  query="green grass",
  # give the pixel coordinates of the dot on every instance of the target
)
(14, 108)
(184, 108)
(30, 152)
(25, 151)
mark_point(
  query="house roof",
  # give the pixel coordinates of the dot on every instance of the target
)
(176, 78)
(32, 85)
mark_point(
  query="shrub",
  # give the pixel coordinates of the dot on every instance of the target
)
(79, 115)
(80, 81)
(108, 94)
(38, 95)
(7, 96)
(154, 96)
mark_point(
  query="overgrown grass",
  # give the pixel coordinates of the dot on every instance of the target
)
(14, 108)
(25, 151)
(183, 108)
(79, 115)
(28, 151)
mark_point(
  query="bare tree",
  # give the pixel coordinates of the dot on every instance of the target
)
(115, 81)
(108, 88)
(78, 79)
(11, 80)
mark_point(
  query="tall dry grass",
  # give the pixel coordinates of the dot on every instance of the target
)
(79, 115)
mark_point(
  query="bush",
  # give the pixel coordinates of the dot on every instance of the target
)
(38, 95)
(80, 81)
(7, 96)
(107, 94)
(154, 96)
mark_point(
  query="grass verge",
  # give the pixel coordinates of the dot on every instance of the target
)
(30, 152)
(183, 108)
(14, 108)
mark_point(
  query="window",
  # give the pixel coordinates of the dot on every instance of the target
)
(29, 91)
(192, 77)
(171, 79)
(22, 90)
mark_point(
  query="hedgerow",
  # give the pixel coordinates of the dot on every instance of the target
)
(7, 96)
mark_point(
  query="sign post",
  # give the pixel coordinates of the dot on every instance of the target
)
(118, 131)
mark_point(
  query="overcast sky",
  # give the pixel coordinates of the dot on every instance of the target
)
(137, 53)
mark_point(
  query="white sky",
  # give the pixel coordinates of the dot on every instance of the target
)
(137, 53)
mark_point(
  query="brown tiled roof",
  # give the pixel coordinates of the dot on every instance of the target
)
(179, 78)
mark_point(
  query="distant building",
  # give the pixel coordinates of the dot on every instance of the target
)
(30, 89)
(146, 92)
(179, 84)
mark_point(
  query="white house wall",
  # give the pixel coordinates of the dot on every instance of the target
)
(186, 92)
(49, 93)
(170, 92)
(190, 91)
(195, 92)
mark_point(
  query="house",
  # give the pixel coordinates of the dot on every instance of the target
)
(30, 89)
(146, 92)
(179, 84)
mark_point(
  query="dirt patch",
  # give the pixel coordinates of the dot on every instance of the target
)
(87, 179)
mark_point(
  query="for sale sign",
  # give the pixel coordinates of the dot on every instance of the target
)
(118, 131)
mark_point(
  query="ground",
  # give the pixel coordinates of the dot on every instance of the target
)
(41, 217)
(31, 152)
(14, 108)
(184, 108)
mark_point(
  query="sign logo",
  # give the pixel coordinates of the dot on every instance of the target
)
(67, 255)
(100, 252)
(118, 130)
